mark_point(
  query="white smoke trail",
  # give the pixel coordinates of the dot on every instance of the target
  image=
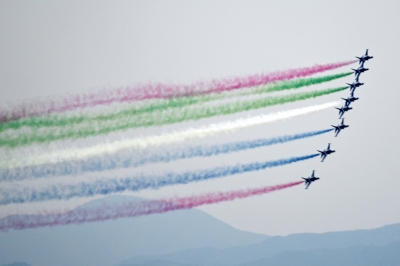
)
(166, 138)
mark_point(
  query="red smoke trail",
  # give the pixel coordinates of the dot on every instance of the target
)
(255, 80)
(132, 209)
(155, 91)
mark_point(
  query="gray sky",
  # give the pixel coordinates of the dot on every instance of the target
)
(56, 48)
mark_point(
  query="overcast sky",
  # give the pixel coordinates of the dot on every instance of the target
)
(57, 48)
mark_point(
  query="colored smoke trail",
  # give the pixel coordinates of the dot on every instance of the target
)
(299, 83)
(22, 194)
(166, 138)
(148, 107)
(155, 119)
(154, 91)
(129, 159)
(133, 209)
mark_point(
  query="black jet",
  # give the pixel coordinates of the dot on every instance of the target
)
(326, 152)
(364, 58)
(353, 86)
(358, 71)
(350, 99)
(343, 109)
(310, 179)
(340, 127)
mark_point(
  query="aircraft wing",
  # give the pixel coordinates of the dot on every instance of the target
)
(307, 185)
(329, 146)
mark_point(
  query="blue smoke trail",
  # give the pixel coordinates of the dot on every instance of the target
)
(104, 187)
(127, 159)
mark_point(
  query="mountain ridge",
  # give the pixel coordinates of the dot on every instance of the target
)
(274, 245)
(359, 255)
(106, 243)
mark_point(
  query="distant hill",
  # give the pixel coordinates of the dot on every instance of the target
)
(300, 243)
(164, 263)
(371, 255)
(388, 255)
(107, 243)
(16, 264)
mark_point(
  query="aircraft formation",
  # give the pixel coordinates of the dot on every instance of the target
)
(346, 107)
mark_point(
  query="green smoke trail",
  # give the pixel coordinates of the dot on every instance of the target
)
(95, 128)
(296, 84)
(153, 106)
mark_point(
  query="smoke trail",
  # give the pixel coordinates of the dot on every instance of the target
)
(166, 138)
(129, 159)
(132, 209)
(151, 91)
(155, 119)
(148, 107)
(295, 84)
(22, 194)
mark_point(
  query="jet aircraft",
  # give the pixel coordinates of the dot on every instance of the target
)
(340, 127)
(343, 109)
(358, 71)
(364, 58)
(310, 179)
(326, 152)
(353, 86)
(350, 99)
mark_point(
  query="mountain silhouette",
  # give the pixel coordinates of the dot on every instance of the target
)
(292, 244)
(107, 243)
